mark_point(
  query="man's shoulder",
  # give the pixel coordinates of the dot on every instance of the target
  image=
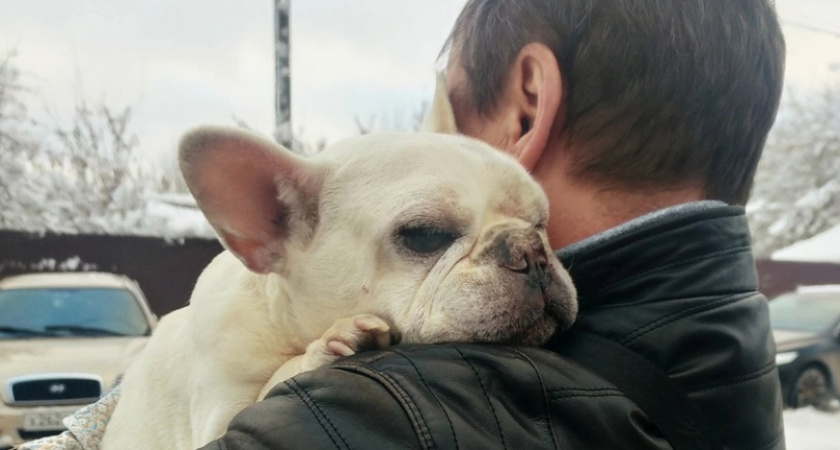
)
(445, 396)
(464, 369)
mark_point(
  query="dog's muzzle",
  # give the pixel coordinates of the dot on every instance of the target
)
(522, 252)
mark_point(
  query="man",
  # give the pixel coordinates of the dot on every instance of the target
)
(643, 121)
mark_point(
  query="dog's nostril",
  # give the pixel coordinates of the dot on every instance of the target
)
(531, 260)
(517, 265)
(540, 276)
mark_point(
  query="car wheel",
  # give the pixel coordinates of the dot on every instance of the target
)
(811, 388)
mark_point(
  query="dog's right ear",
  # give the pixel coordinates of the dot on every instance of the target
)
(256, 194)
(441, 118)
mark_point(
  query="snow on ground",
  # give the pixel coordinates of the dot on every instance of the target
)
(810, 429)
(824, 247)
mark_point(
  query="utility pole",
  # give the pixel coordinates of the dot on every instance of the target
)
(282, 88)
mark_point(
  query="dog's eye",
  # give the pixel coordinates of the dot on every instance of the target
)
(425, 240)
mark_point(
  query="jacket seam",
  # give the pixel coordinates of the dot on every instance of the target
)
(424, 435)
(584, 391)
(548, 423)
(423, 380)
(718, 254)
(486, 397)
(588, 395)
(318, 413)
(767, 369)
(659, 323)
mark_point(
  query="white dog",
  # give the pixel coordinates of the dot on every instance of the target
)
(421, 238)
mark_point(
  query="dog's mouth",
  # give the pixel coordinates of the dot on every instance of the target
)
(562, 307)
(551, 313)
(530, 296)
(555, 318)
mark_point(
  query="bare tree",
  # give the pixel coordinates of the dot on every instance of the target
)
(17, 141)
(797, 189)
(82, 175)
(397, 120)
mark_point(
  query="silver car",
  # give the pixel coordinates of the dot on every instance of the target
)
(64, 340)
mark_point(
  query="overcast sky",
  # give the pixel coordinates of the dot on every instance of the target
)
(188, 62)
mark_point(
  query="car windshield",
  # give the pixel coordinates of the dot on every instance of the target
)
(82, 311)
(813, 312)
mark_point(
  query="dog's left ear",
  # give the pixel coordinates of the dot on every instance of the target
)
(257, 195)
(441, 118)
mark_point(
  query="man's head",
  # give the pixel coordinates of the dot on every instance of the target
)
(636, 96)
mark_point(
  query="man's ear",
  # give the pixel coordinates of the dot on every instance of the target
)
(441, 118)
(257, 195)
(535, 87)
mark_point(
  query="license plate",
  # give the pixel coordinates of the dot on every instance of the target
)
(46, 420)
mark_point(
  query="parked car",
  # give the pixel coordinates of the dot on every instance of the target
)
(806, 325)
(64, 340)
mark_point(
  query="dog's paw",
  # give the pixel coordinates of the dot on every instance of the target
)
(347, 337)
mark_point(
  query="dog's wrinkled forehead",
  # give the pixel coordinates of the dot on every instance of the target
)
(415, 169)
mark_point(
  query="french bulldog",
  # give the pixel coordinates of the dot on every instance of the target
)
(383, 238)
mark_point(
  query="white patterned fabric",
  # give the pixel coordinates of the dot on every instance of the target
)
(85, 428)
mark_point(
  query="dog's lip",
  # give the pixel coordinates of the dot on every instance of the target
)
(540, 318)
(556, 298)
(534, 332)
(538, 323)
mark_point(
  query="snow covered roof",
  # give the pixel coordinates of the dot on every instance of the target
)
(177, 216)
(824, 247)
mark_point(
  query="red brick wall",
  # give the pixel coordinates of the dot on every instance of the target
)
(776, 277)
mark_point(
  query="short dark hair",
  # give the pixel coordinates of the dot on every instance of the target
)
(660, 92)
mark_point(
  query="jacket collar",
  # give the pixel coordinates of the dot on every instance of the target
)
(643, 260)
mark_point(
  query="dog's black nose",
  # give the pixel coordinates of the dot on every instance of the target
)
(523, 251)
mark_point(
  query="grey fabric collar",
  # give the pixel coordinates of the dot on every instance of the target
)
(656, 217)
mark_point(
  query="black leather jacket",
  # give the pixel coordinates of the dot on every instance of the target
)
(679, 288)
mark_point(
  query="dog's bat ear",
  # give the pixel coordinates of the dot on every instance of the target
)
(257, 195)
(441, 118)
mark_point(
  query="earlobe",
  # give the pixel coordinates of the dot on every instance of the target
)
(536, 84)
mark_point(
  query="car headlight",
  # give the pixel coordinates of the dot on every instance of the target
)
(785, 358)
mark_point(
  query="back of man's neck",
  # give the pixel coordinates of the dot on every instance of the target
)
(579, 211)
